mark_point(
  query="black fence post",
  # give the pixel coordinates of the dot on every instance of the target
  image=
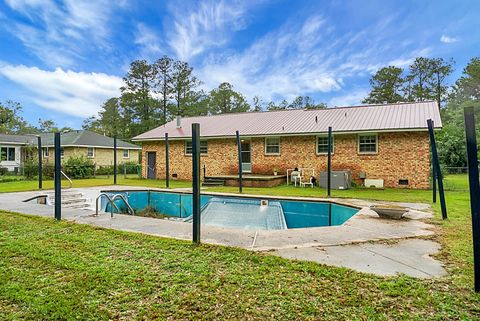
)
(436, 165)
(196, 181)
(474, 189)
(58, 178)
(240, 174)
(434, 177)
(115, 160)
(40, 160)
(167, 165)
(329, 162)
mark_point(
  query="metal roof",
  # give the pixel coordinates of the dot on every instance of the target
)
(388, 117)
(70, 138)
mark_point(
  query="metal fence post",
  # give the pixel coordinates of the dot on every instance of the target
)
(115, 160)
(196, 181)
(40, 165)
(436, 164)
(329, 162)
(58, 178)
(474, 189)
(167, 165)
(240, 174)
(434, 177)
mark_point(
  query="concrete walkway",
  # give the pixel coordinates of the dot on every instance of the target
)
(347, 245)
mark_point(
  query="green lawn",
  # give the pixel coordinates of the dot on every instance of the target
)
(22, 186)
(61, 270)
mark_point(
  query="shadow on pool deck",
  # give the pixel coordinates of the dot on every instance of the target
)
(349, 245)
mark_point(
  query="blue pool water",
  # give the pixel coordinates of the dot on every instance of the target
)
(239, 212)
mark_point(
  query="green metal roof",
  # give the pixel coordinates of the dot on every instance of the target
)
(72, 138)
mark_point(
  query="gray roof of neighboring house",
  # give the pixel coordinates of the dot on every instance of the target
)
(71, 138)
(388, 117)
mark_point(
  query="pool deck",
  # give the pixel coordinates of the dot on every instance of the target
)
(365, 242)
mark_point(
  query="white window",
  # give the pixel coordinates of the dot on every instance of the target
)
(272, 145)
(45, 152)
(61, 152)
(367, 144)
(126, 153)
(203, 147)
(7, 154)
(90, 152)
(322, 145)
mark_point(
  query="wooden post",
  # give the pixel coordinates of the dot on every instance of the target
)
(474, 189)
(196, 181)
(240, 173)
(436, 165)
(58, 178)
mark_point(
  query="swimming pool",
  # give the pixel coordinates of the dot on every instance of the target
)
(239, 212)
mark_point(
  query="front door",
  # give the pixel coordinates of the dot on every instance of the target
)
(151, 165)
(246, 156)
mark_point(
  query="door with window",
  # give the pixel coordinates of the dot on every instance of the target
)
(246, 156)
(151, 165)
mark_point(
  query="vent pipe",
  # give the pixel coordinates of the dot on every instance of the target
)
(179, 121)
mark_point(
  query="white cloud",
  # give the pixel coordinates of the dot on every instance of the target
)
(59, 34)
(75, 93)
(350, 99)
(209, 24)
(148, 41)
(447, 39)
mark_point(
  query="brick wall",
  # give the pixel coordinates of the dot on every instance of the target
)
(402, 155)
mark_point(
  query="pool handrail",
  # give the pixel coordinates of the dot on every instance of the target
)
(130, 209)
(110, 200)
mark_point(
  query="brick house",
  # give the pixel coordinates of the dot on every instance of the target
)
(388, 142)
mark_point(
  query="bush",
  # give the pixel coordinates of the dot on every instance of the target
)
(30, 168)
(78, 167)
(3, 171)
(104, 170)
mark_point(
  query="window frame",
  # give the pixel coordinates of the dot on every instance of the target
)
(201, 153)
(7, 154)
(62, 152)
(128, 153)
(93, 152)
(45, 152)
(279, 146)
(324, 136)
(369, 152)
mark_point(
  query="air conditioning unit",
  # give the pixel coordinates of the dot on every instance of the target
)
(339, 180)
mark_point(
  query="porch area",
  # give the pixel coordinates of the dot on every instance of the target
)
(249, 180)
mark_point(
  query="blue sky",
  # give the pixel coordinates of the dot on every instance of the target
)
(61, 60)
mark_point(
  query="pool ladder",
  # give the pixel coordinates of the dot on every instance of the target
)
(111, 200)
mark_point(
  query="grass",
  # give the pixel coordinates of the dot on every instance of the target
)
(23, 186)
(61, 270)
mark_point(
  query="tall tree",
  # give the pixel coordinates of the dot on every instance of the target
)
(138, 93)
(257, 104)
(386, 86)
(164, 83)
(224, 99)
(441, 69)
(422, 78)
(468, 85)
(10, 120)
(184, 84)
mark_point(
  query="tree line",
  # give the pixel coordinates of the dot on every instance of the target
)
(426, 79)
(154, 93)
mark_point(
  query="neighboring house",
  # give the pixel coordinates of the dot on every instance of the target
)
(16, 148)
(388, 142)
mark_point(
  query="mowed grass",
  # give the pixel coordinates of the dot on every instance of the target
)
(61, 270)
(23, 186)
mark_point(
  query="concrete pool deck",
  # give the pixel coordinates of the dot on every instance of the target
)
(358, 244)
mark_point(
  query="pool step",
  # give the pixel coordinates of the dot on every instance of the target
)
(210, 181)
(70, 199)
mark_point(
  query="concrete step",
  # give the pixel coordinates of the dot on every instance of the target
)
(71, 201)
(213, 182)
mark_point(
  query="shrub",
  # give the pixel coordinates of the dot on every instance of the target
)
(3, 171)
(78, 167)
(30, 168)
